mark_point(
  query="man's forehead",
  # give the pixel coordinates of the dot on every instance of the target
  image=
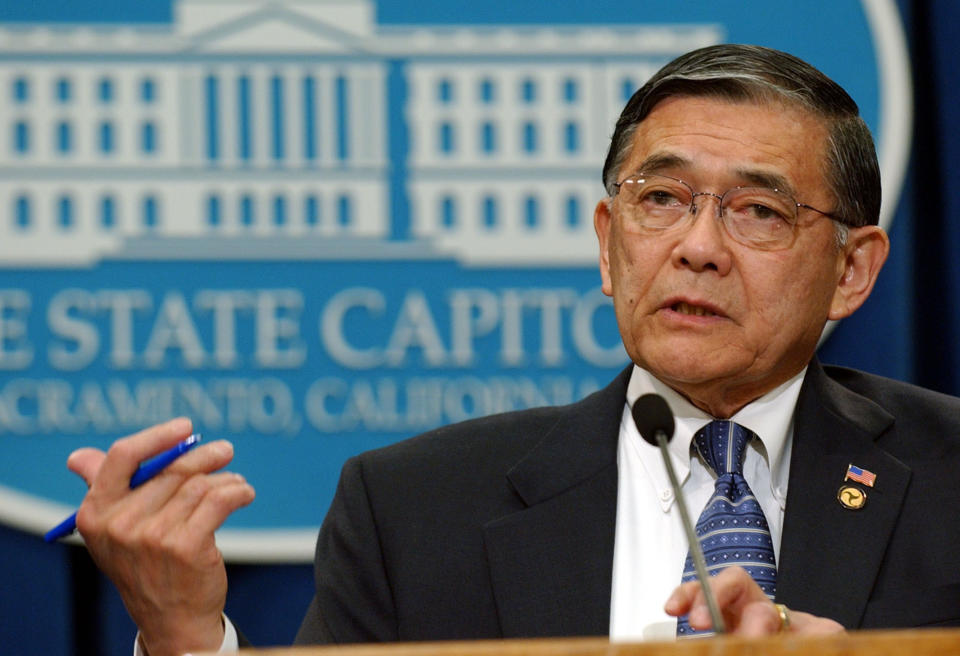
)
(794, 133)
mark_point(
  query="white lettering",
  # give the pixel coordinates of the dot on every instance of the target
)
(511, 343)
(81, 336)
(337, 405)
(15, 350)
(57, 406)
(415, 327)
(174, 329)
(225, 305)
(474, 313)
(278, 329)
(333, 333)
(320, 395)
(120, 305)
(18, 406)
(551, 302)
(584, 336)
(270, 404)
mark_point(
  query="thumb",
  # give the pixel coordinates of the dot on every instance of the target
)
(86, 463)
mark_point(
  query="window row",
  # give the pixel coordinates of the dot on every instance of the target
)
(279, 210)
(104, 90)
(246, 211)
(488, 138)
(105, 137)
(527, 91)
(24, 212)
(448, 212)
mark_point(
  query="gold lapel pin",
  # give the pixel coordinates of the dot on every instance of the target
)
(851, 498)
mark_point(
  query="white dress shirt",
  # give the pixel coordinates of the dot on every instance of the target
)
(650, 545)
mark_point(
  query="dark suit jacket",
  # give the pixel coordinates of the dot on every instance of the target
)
(504, 526)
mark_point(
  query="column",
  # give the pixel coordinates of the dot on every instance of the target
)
(293, 119)
(260, 119)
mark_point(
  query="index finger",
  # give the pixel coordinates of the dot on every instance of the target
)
(731, 586)
(734, 586)
(682, 598)
(745, 607)
(126, 454)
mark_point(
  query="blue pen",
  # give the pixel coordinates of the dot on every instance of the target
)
(144, 473)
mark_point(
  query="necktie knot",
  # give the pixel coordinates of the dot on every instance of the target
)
(722, 444)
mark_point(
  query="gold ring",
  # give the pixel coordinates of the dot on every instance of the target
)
(784, 614)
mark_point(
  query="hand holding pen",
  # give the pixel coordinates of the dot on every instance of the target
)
(156, 542)
(144, 473)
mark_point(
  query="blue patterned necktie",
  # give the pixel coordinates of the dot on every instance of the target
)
(732, 528)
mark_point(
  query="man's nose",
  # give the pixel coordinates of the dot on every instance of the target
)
(703, 246)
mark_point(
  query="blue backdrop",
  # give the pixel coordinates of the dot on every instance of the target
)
(54, 601)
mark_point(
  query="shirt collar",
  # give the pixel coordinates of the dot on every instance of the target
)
(770, 417)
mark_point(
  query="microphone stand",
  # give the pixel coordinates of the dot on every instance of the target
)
(696, 551)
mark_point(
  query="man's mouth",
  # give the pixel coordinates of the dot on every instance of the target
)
(695, 310)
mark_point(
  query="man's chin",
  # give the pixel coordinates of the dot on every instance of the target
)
(695, 376)
(692, 380)
(677, 363)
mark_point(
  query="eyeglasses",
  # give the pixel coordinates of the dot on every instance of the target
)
(759, 217)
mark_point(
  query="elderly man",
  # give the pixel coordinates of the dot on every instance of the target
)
(743, 202)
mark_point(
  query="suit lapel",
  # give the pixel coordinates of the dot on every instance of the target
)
(551, 563)
(830, 555)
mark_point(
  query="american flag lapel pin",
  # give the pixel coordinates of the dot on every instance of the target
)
(859, 475)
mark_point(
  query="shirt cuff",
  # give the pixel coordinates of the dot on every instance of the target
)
(230, 641)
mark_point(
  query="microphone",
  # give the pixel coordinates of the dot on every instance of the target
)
(655, 422)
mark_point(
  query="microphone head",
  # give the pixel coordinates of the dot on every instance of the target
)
(651, 414)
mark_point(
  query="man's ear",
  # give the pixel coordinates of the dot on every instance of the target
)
(601, 223)
(863, 256)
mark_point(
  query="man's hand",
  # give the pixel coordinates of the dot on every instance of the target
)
(746, 610)
(156, 542)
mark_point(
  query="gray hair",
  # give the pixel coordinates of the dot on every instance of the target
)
(756, 74)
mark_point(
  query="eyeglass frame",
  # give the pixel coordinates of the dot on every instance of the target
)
(693, 209)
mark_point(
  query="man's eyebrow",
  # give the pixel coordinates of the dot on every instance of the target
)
(660, 161)
(752, 177)
(766, 179)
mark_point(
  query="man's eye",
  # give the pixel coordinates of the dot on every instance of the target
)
(755, 209)
(763, 212)
(662, 198)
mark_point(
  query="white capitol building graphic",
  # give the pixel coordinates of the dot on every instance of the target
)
(256, 129)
